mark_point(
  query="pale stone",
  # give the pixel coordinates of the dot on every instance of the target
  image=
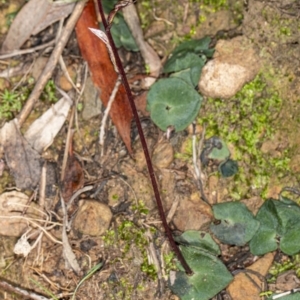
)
(93, 218)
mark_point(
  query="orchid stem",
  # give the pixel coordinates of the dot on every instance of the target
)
(174, 246)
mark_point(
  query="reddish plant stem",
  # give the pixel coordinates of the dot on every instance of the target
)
(174, 246)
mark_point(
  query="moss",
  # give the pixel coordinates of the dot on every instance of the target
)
(129, 233)
(245, 122)
(49, 93)
(12, 99)
(292, 263)
(213, 5)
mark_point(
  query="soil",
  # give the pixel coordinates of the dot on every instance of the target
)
(135, 237)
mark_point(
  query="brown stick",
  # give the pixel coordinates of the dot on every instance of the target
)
(47, 72)
(20, 291)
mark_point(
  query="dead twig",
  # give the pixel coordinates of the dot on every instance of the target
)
(27, 51)
(106, 113)
(67, 145)
(47, 72)
(20, 291)
(66, 73)
(197, 165)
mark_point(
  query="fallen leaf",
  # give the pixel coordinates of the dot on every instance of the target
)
(94, 51)
(34, 16)
(42, 131)
(141, 103)
(12, 204)
(74, 176)
(23, 161)
(56, 12)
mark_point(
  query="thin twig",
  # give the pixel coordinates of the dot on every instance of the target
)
(197, 164)
(106, 113)
(79, 97)
(26, 51)
(68, 254)
(66, 73)
(121, 70)
(30, 220)
(67, 145)
(20, 291)
(47, 72)
(79, 192)
(42, 187)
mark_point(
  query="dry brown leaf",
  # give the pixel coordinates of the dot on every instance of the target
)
(23, 161)
(94, 51)
(35, 16)
(74, 176)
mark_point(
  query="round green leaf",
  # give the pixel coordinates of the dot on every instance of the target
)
(209, 278)
(290, 242)
(200, 240)
(264, 241)
(237, 226)
(228, 168)
(173, 102)
(184, 75)
(219, 153)
(186, 61)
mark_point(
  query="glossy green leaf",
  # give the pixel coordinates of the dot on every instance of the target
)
(198, 239)
(290, 242)
(237, 226)
(120, 31)
(196, 46)
(108, 5)
(228, 168)
(189, 55)
(185, 61)
(264, 241)
(190, 76)
(184, 75)
(288, 214)
(209, 278)
(173, 102)
(122, 35)
(219, 153)
(279, 222)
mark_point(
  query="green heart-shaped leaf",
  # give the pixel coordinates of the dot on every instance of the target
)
(228, 168)
(209, 278)
(185, 61)
(173, 102)
(237, 226)
(278, 218)
(200, 240)
(264, 241)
